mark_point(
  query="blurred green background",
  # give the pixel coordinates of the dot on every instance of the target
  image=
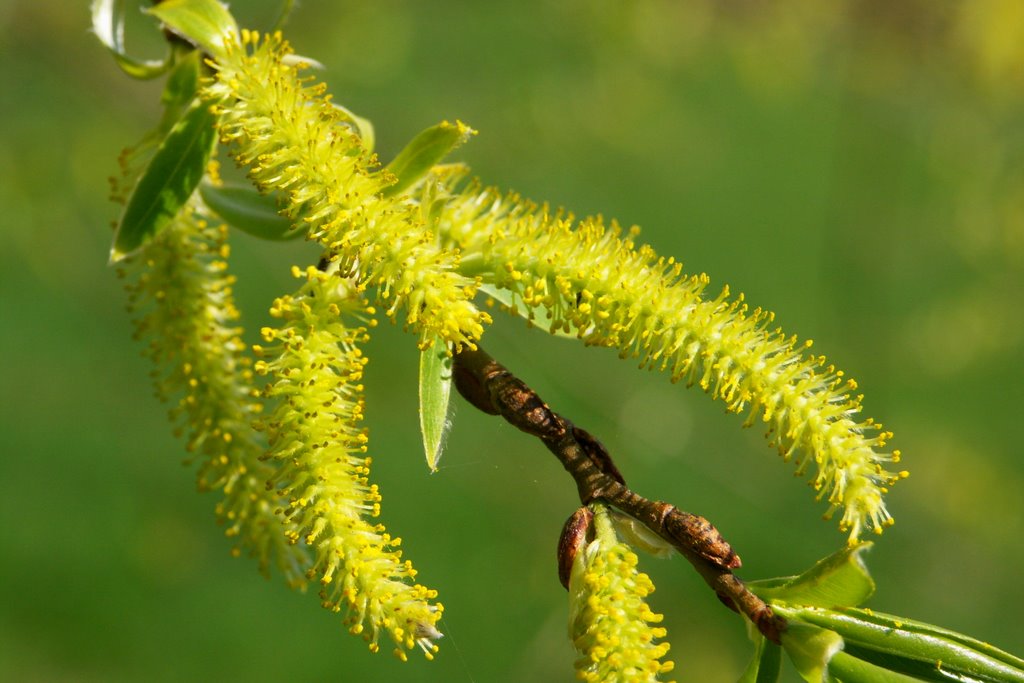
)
(854, 166)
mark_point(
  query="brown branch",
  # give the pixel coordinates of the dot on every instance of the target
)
(491, 388)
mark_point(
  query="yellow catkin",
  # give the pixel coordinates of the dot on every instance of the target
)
(610, 623)
(315, 366)
(182, 294)
(593, 280)
(285, 130)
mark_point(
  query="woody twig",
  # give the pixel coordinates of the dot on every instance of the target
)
(491, 388)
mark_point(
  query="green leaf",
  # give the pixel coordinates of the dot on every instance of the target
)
(435, 390)
(922, 650)
(425, 150)
(810, 649)
(537, 316)
(206, 23)
(839, 580)
(766, 665)
(108, 25)
(243, 207)
(848, 669)
(170, 178)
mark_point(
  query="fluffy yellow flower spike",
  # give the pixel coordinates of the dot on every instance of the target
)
(183, 294)
(314, 432)
(293, 140)
(594, 281)
(610, 624)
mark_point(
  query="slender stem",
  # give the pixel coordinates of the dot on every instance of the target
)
(491, 388)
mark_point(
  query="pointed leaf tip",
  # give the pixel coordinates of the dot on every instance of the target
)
(426, 149)
(115, 257)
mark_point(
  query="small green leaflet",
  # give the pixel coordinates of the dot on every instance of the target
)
(243, 207)
(108, 25)
(425, 150)
(168, 181)
(435, 390)
(839, 580)
(206, 23)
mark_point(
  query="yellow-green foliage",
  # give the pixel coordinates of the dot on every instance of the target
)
(303, 500)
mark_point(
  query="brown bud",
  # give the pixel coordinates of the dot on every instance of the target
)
(701, 537)
(574, 537)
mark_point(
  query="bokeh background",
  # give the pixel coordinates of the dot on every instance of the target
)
(854, 166)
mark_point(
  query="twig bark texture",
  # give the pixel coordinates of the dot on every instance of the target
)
(491, 388)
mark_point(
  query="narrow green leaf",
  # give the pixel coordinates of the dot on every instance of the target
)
(205, 23)
(912, 647)
(848, 669)
(537, 316)
(108, 25)
(243, 207)
(425, 150)
(839, 580)
(810, 649)
(168, 181)
(766, 666)
(435, 390)
(919, 670)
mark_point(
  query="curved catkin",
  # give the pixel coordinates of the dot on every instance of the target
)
(182, 294)
(293, 140)
(593, 280)
(315, 367)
